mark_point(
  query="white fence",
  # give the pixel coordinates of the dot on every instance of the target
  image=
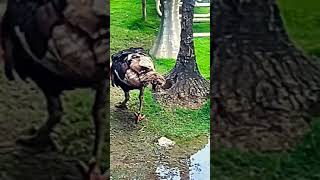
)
(197, 18)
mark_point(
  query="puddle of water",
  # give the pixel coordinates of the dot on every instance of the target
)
(167, 173)
(200, 164)
(199, 167)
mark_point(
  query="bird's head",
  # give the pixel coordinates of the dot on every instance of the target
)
(154, 79)
(157, 82)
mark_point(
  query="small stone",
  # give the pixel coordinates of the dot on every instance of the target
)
(165, 142)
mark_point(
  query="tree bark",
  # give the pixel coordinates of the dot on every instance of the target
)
(263, 86)
(185, 86)
(144, 10)
(168, 40)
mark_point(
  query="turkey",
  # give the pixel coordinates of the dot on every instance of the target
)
(60, 45)
(133, 69)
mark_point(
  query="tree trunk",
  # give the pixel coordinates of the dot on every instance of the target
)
(168, 40)
(185, 86)
(263, 87)
(144, 10)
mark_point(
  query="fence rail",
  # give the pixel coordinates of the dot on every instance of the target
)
(198, 18)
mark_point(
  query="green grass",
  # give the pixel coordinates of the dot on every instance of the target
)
(128, 30)
(179, 124)
(201, 10)
(302, 21)
(201, 27)
(301, 164)
(203, 56)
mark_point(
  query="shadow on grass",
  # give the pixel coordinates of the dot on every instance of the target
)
(302, 163)
(141, 25)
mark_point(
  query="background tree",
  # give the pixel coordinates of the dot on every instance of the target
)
(264, 87)
(144, 9)
(185, 85)
(168, 40)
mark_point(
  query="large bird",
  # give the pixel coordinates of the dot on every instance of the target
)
(133, 69)
(60, 45)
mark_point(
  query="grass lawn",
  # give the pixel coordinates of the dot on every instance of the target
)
(128, 30)
(201, 27)
(301, 164)
(302, 20)
(201, 10)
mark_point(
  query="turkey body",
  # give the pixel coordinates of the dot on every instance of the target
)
(63, 53)
(60, 45)
(122, 75)
(133, 69)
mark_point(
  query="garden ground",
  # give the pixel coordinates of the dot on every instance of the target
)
(134, 153)
(24, 106)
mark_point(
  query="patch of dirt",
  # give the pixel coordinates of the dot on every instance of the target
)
(132, 149)
(188, 103)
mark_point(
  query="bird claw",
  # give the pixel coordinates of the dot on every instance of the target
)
(139, 117)
(91, 171)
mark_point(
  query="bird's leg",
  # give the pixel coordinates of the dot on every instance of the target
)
(42, 136)
(92, 171)
(141, 99)
(123, 104)
(139, 116)
(99, 117)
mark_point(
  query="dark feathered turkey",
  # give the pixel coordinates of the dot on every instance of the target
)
(133, 69)
(60, 45)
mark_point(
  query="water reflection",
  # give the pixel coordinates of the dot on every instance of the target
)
(166, 173)
(200, 164)
(199, 167)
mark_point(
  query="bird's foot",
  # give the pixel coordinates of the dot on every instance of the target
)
(92, 170)
(121, 106)
(139, 117)
(39, 141)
